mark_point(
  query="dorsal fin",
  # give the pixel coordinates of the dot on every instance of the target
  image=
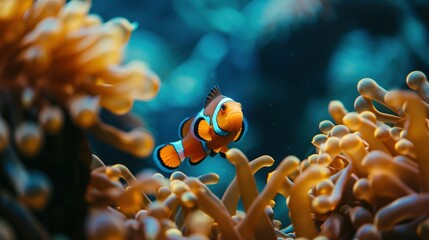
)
(214, 92)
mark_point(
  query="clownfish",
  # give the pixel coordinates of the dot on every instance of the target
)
(208, 132)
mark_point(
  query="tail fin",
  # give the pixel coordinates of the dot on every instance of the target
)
(169, 156)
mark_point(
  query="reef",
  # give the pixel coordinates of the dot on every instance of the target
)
(59, 66)
(367, 179)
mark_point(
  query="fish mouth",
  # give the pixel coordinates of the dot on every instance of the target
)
(235, 117)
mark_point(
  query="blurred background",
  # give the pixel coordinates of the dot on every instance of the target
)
(284, 60)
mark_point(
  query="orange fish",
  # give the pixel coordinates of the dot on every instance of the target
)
(208, 132)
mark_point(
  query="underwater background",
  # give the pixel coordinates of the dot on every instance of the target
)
(334, 93)
(284, 60)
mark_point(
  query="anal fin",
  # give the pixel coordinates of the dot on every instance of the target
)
(212, 153)
(224, 149)
(194, 160)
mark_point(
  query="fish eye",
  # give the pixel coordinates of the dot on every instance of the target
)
(223, 107)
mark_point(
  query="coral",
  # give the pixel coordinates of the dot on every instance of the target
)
(377, 186)
(367, 180)
(151, 206)
(57, 56)
(59, 65)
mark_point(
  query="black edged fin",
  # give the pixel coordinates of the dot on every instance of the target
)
(242, 131)
(217, 150)
(213, 93)
(166, 158)
(212, 153)
(185, 126)
(222, 154)
(196, 160)
(202, 130)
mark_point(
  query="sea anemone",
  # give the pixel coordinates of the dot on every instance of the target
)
(368, 177)
(366, 180)
(57, 59)
(378, 182)
(59, 66)
(151, 206)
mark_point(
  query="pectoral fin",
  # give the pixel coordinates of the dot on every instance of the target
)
(203, 130)
(240, 133)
